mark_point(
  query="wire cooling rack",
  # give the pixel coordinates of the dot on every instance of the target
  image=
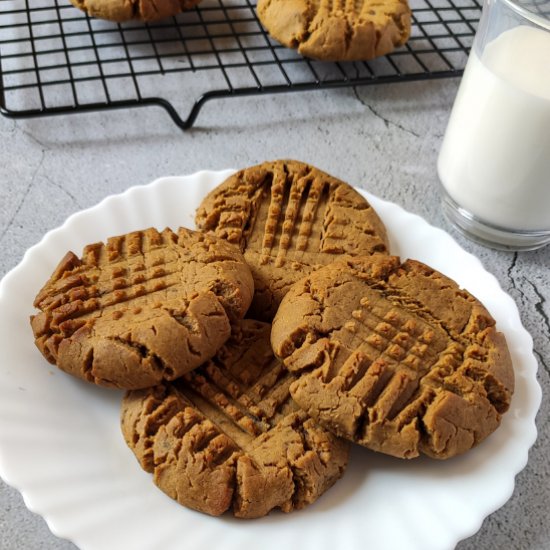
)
(56, 60)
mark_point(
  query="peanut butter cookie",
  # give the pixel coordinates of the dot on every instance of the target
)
(124, 10)
(142, 308)
(227, 436)
(289, 218)
(394, 356)
(337, 31)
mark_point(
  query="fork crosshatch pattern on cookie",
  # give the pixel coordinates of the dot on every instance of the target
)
(227, 436)
(289, 218)
(144, 307)
(331, 30)
(395, 357)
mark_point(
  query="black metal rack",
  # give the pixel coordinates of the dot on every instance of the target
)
(56, 60)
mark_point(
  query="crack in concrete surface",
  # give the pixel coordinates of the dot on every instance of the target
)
(539, 305)
(510, 269)
(66, 191)
(33, 138)
(539, 308)
(43, 148)
(386, 121)
(24, 196)
(542, 361)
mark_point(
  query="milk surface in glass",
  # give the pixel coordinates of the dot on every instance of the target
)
(495, 157)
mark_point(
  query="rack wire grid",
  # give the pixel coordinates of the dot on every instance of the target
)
(54, 59)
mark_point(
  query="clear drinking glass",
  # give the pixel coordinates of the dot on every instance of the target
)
(494, 163)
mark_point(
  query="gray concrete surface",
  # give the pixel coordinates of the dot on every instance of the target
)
(383, 138)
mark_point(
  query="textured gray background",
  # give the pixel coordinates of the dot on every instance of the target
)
(382, 138)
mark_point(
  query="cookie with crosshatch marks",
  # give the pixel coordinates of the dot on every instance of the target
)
(144, 307)
(394, 356)
(125, 10)
(227, 436)
(330, 30)
(289, 218)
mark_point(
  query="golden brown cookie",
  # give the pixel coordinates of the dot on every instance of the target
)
(145, 307)
(124, 10)
(394, 356)
(337, 31)
(289, 218)
(227, 436)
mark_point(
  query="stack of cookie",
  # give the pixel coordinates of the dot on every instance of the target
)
(256, 349)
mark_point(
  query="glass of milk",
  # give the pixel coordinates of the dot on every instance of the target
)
(494, 163)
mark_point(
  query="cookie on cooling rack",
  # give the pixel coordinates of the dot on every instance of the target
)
(142, 308)
(289, 218)
(125, 10)
(337, 31)
(394, 356)
(227, 436)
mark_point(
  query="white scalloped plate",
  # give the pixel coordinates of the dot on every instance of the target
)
(61, 446)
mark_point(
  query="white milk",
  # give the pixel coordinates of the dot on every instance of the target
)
(495, 157)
